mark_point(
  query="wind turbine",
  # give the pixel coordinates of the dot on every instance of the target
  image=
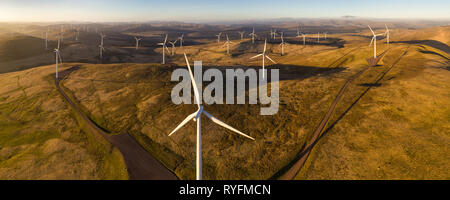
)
(275, 34)
(218, 37)
(374, 41)
(58, 58)
(298, 31)
(303, 35)
(196, 116)
(102, 38)
(264, 56)
(242, 34)
(318, 37)
(271, 33)
(253, 35)
(137, 42)
(46, 40)
(77, 34)
(101, 51)
(164, 47)
(181, 39)
(173, 46)
(282, 44)
(304, 38)
(325, 35)
(387, 34)
(227, 43)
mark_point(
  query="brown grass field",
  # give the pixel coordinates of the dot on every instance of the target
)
(392, 123)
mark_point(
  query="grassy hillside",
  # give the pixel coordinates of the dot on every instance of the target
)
(396, 128)
(41, 139)
(392, 126)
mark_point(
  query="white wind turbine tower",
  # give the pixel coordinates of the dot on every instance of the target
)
(58, 58)
(298, 32)
(164, 48)
(275, 34)
(77, 34)
(102, 38)
(137, 42)
(304, 38)
(181, 39)
(196, 116)
(46, 40)
(101, 51)
(173, 46)
(282, 44)
(242, 34)
(227, 43)
(253, 35)
(101, 45)
(271, 33)
(374, 41)
(264, 56)
(218, 37)
(387, 33)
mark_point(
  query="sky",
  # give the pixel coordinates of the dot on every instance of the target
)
(223, 10)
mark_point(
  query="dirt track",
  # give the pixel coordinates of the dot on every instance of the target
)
(296, 167)
(140, 164)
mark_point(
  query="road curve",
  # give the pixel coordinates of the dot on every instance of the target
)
(141, 165)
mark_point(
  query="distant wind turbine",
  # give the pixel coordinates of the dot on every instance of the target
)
(282, 43)
(196, 116)
(137, 42)
(164, 48)
(275, 34)
(242, 34)
(374, 41)
(173, 46)
(101, 47)
(218, 37)
(46, 40)
(58, 58)
(253, 35)
(271, 34)
(227, 43)
(181, 39)
(264, 56)
(102, 36)
(101, 51)
(77, 34)
(304, 38)
(318, 37)
(387, 33)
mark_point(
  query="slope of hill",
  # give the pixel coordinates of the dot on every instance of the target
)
(41, 139)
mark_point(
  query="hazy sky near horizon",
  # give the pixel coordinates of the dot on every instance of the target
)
(205, 10)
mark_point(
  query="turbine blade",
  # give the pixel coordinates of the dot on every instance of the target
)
(265, 45)
(59, 56)
(256, 56)
(167, 49)
(371, 30)
(188, 118)
(270, 59)
(197, 96)
(217, 121)
(371, 41)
